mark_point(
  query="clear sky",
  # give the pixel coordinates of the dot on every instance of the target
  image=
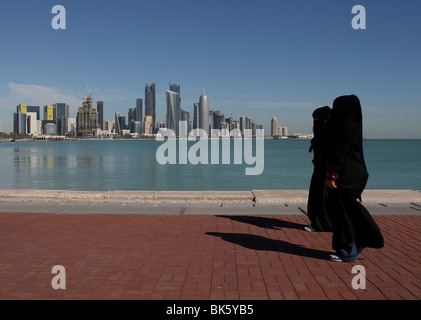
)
(259, 58)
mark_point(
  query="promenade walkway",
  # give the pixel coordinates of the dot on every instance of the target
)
(192, 246)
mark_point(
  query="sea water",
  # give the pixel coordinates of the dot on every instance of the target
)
(105, 165)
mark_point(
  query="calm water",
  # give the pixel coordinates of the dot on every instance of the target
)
(132, 165)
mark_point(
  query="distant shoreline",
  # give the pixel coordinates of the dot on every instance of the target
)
(129, 139)
(154, 139)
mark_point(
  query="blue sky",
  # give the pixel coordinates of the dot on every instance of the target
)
(254, 58)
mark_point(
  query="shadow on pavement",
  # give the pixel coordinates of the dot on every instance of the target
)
(268, 223)
(255, 242)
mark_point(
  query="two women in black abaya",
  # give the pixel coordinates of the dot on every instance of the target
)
(352, 225)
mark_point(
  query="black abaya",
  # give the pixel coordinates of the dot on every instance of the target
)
(353, 226)
(318, 192)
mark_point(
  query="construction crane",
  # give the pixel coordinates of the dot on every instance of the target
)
(88, 90)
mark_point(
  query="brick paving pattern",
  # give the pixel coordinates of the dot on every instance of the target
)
(199, 258)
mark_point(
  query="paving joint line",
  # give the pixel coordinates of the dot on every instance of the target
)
(184, 209)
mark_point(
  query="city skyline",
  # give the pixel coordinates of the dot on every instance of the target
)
(90, 122)
(254, 58)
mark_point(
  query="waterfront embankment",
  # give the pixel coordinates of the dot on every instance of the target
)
(252, 202)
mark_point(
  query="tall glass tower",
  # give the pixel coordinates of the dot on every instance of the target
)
(139, 110)
(150, 103)
(196, 115)
(204, 113)
(100, 109)
(173, 111)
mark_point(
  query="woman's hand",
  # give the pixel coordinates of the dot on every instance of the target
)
(332, 184)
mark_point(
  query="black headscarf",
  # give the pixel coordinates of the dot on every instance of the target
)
(345, 121)
(319, 141)
(320, 117)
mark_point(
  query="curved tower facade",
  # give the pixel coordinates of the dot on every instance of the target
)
(204, 113)
(173, 111)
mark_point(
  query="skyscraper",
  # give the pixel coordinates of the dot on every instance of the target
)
(274, 127)
(147, 127)
(218, 119)
(34, 109)
(150, 103)
(204, 113)
(62, 115)
(139, 110)
(86, 119)
(173, 115)
(19, 122)
(22, 121)
(229, 123)
(32, 124)
(242, 125)
(136, 127)
(285, 131)
(185, 116)
(175, 88)
(120, 123)
(100, 108)
(196, 115)
(49, 113)
(173, 111)
(248, 123)
(131, 117)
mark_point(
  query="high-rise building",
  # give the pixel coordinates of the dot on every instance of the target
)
(71, 126)
(253, 128)
(120, 123)
(161, 125)
(49, 113)
(248, 123)
(204, 113)
(185, 116)
(131, 117)
(196, 115)
(100, 108)
(109, 125)
(242, 124)
(34, 109)
(136, 127)
(148, 125)
(61, 116)
(175, 88)
(274, 127)
(139, 110)
(86, 119)
(173, 115)
(150, 103)
(229, 123)
(285, 131)
(33, 126)
(21, 120)
(235, 125)
(218, 119)
(210, 120)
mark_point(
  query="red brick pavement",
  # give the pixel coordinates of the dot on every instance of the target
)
(198, 257)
